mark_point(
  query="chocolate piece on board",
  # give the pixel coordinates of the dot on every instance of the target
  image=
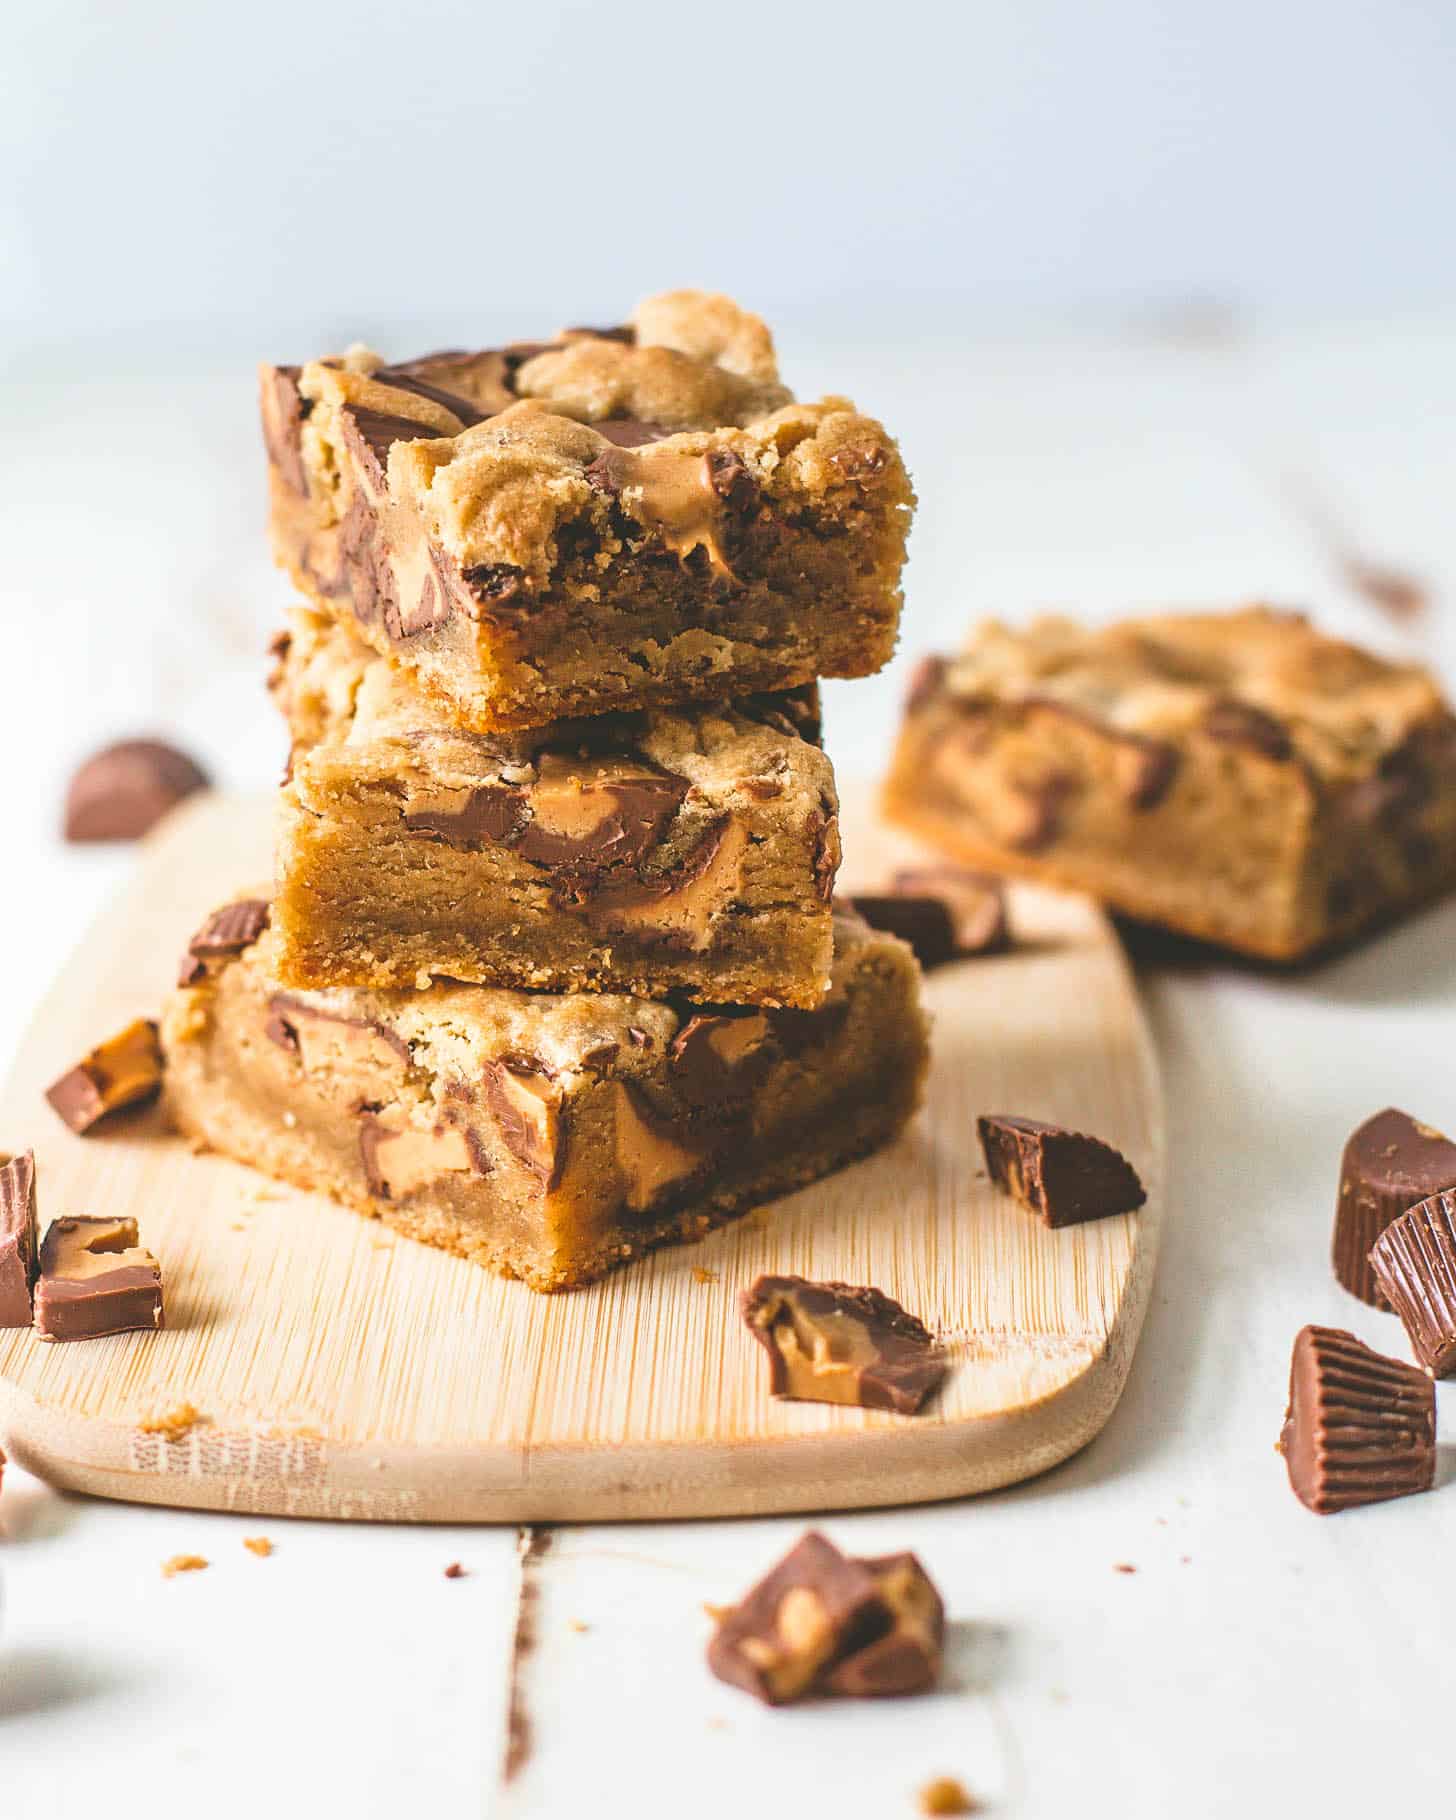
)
(830, 1343)
(1414, 1264)
(1359, 1428)
(17, 1238)
(124, 791)
(820, 1623)
(226, 932)
(1063, 1176)
(1391, 1162)
(123, 1071)
(976, 902)
(924, 922)
(96, 1279)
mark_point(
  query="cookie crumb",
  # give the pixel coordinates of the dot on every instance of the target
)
(455, 1571)
(578, 1626)
(258, 1545)
(704, 1276)
(182, 1564)
(173, 1423)
(947, 1796)
(1123, 1567)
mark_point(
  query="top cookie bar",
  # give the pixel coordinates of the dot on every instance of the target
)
(623, 517)
(1237, 776)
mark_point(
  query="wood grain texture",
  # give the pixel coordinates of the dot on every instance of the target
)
(342, 1372)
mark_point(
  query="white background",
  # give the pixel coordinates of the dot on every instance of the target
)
(991, 227)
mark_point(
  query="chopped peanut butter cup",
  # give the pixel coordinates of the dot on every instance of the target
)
(122, 1072)
(18, 1252)
(1360, 1428)
(830, 1343)
(820, 1624)
(1064, 1177)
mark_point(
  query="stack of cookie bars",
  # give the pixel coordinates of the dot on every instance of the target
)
(551, 971)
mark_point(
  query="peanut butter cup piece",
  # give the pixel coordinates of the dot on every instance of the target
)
(124, 790)
(226, 932)
(1064, 1177)
(822, 1623)
(121, 1072)
(526, 1103)
(18, 1250)
(1414, 1265)
(1360, 1428)
(831, 1343)
(95, 1279)
(976, 902)
(924, 922)
(1391, 1162)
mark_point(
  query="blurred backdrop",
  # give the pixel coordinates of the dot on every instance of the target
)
(1157, 295)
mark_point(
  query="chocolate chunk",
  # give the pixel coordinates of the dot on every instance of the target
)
(399, 1160)
(17, 1238)
(673, 907)
(1146, 769)
(432, 603)
(374, 434)
(359, 1051)
(123, 1071)
(227, 931)
(124, 791)
(1239, 723)
(283, 410)
(526, 1102)
(719, 1057)
(1391, 1162)
(830, 1343)
(629, 432)
(729, 478)
(603, 812)
(95, 1279)
(821, 1623)
(1360, 1428)
(792, 711)
(924, 922)
(494, 584)
(976, 902)
(1063, 1176)
(407, 378)
(1414, 1264)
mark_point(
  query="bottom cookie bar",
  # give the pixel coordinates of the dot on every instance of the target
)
(550, 1137)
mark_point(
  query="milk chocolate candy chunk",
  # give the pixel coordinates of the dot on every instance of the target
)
(124, 791)
(526, 1103)
(122, 1072)
(1391, 1162)
(18, 1257)
(96, 1279)
(830, 1343)
(976, 902)
(1064, 1177)
(822, 1623)
(226, 932)
(1360, 1428)
(924, 922)
(1414, 1264)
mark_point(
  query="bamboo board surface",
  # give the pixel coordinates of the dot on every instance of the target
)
(340, 1371)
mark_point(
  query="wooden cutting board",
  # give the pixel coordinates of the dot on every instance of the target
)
(339, 1371)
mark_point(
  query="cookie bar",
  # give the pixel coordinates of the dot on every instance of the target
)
(671, 851)
(617, 518)
(546, 1137)
(1235, 776)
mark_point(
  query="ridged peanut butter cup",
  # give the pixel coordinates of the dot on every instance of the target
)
(1389, 1164)
(1414, 1261)
(1360, 1428)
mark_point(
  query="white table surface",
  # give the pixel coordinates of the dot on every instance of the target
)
(1258, 1657)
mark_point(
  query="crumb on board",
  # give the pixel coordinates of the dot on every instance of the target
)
(182, 1564)
(258, 1545)
(173, 1423)
(700, 1275)
(455, 1571)
(578, 1626)
(1123, 1567)
(947, 1796)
